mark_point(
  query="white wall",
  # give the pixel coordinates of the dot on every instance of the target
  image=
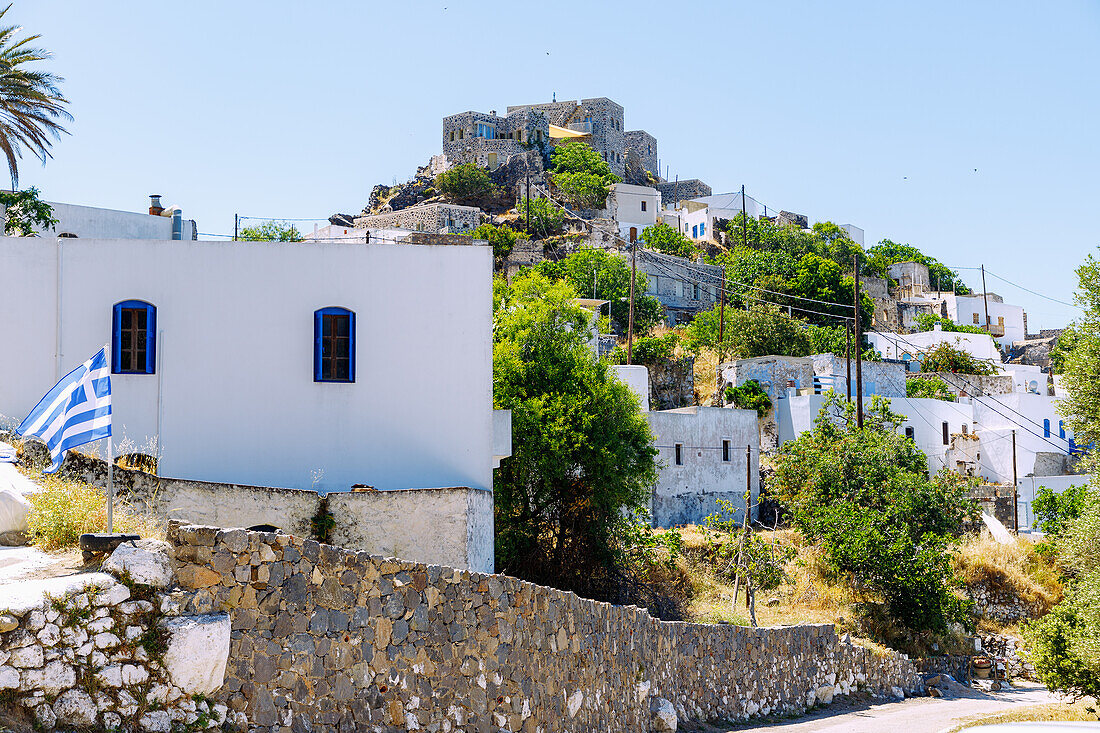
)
(90, 222)
(897, 345)
(687, 493)
(625, 207)
(961, 310)
(233, 399)
(636, 377)
(1028, 487)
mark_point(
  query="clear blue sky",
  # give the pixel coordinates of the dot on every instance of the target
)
(874, 113)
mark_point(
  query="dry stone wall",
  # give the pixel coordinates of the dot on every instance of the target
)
(326, 639)
(90, 652)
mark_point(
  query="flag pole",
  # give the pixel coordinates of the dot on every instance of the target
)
(110, 465)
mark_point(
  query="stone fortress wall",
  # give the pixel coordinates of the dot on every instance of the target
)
(434, 218)
(328, 639)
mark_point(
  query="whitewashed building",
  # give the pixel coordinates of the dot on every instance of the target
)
(633, 208)
(93, 222)
(303, 365)
(705, 454)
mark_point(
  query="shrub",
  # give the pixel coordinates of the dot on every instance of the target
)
(270, 231)
(864, 495)
(927, 321)
(546, 216)
(947, 358)
(65, 509)
(668, 240)
(1055, 512)
(465, 182)
(649, 349)
(749, 396)
(929, 387)
(747, 334)
(502, 238)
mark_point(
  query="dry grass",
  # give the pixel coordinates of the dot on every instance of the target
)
(64, 509)
(706, 376)
(809, 596)
(1058, 711)
(1013, 572)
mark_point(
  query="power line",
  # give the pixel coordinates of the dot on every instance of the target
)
(1021, 287)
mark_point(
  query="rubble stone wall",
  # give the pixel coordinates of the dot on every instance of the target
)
(434, 218)
(326, 639)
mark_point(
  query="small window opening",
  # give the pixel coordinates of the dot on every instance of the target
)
(909, 433)
(946, 434)
(679, 454)
(726, 451)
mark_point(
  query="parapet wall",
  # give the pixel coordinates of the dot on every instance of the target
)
(336, 640)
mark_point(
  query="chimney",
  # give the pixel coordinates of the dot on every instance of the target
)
(177, 224)
(492, 113)
(155, 209)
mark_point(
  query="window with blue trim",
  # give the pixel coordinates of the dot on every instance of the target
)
(333, 345)
(134, 338)
(703, 229)
(1046, 428)
(1061, 430)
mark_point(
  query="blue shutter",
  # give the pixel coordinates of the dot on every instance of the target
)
(150, 338)
(1061, 429)
(116, 339)
(317, 317)
(351, 346)
(1046, 428)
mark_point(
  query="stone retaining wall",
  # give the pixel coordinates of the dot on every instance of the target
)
(326, 639)
(90, 652)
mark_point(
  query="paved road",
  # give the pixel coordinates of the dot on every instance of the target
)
(914, 715)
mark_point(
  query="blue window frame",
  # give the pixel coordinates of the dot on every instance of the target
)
(1062, 429)
(695, 231)
(1046, 428)
(134, 338)
(333, 345)
(703, 229)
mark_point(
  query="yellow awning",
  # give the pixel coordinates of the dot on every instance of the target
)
(561, 132)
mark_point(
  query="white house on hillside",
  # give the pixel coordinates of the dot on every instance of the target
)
(300, 365)
(92, 222)
(633, 208)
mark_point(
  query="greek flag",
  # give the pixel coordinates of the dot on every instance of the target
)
(76, 411)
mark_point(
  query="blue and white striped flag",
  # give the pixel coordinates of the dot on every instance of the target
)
(76, 411)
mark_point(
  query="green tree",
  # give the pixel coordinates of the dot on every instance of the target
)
(33, 106)
(929, 387)
(601, 274)
(1081, 363)
(863, 494)
(25, 212)
(1055, 512)
(749, 396)
(465, 183)
(668, 240)
(1064, 645)
(887, 253)
(581, 176)
(502, 238)
(747, 334)
(270, 231)
(569, 498)
(1062, 346)
(947, 358)
(928, 321)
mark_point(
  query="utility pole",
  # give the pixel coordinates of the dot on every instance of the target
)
(1015, 489)
(630, 318)
(985, 300)
(744, 219)
(236, 225)
(859, 353)
(529, 199)
(722, 316)
(848, 357)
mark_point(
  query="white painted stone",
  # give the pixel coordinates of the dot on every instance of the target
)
(9, 678)
(156, 722)
(112, 721)
(35, 620)
(127, 704)
(219, 712)
(75, 707)
(134, 675)
(105, 641)
(8, 623)
(99, 625)
(28, 656)
(113, 596)
(573, 702)
(198, 649)
(133, 632)
(51, 679)
(664, 718)
(111, 675)
(147, 562)
(158, 694)
(49, 635)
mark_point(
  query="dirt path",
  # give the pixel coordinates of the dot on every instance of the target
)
(26, 562)
(914, 715)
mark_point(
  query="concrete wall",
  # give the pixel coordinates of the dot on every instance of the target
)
(636, 377)
(688, 493)
(452, 526)
(328, 639)
(1028, 487)
(233, 399)
(879, 377)
(90, 222)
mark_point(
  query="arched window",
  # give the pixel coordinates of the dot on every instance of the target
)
(134, 338)
(333, 345)
(1046, 428)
